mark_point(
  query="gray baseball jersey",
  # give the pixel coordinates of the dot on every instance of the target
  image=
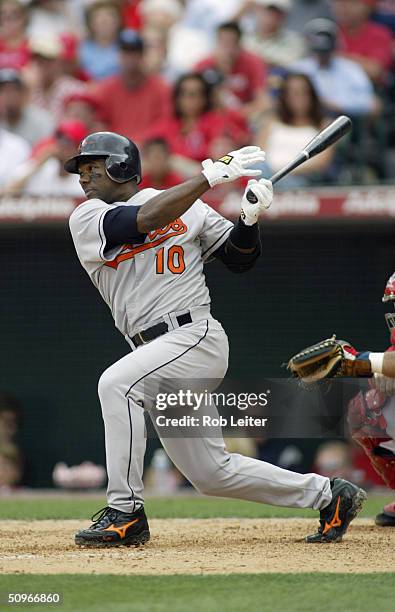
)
(142, 282)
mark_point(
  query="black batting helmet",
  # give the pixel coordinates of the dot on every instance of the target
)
(121, 154)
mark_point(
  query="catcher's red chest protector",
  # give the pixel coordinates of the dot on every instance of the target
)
(368, 428)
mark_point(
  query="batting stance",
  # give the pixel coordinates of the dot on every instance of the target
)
(144, 251)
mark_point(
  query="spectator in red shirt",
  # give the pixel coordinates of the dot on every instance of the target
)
(245, 72)
(157, 170)
(14, 48)
(84, 107)
(193, 127)
(133, 100)
(368, 43)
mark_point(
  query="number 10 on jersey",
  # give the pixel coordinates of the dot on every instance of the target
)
(173, 258)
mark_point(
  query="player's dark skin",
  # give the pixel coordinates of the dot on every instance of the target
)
(158, 212)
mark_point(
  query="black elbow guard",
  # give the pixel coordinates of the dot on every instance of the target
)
(235, 260)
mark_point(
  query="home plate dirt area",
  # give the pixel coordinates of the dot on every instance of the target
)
(195, 546)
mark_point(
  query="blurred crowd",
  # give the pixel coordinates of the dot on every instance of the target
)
(190, 79)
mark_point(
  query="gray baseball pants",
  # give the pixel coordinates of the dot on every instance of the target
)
(198, 350)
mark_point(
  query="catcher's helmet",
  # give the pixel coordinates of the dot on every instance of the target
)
(389, 296)
(389, 291)
(121, 154)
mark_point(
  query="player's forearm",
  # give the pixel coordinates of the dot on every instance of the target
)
(389, 365)
(383, 363)
(170, 204)
(174, 202)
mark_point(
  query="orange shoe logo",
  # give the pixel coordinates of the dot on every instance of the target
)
(121, 531)
(336, 521)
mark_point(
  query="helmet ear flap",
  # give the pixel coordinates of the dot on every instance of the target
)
(119, 170)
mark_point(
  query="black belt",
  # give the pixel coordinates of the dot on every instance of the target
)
(146, 335)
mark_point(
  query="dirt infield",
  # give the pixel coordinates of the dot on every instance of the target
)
(185, 546)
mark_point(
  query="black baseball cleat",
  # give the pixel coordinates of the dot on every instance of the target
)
(347, 500)
(386, 518)
(115, 528)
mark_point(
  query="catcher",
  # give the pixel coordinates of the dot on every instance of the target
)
(371, 417)
(371, 414)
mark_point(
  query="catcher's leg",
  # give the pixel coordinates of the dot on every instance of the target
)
(386, 518)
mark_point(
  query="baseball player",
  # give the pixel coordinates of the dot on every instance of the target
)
(371, 416)
(145, 251)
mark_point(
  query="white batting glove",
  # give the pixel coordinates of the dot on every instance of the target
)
(233, 165)
(263, 192)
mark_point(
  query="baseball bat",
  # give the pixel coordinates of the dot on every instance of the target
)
(319, 143)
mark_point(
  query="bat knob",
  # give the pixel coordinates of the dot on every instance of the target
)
(251, 197)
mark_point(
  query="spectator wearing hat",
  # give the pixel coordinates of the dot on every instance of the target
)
(16, 113)
(272, 41)
(14, 47)
(99, 53)
(85, 107)
(365, 42)
(341, 83)
(44, 174)
(133, 100)
(243, 71)
(48, 81)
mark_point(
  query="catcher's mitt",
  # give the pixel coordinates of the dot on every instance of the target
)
(327, 359)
